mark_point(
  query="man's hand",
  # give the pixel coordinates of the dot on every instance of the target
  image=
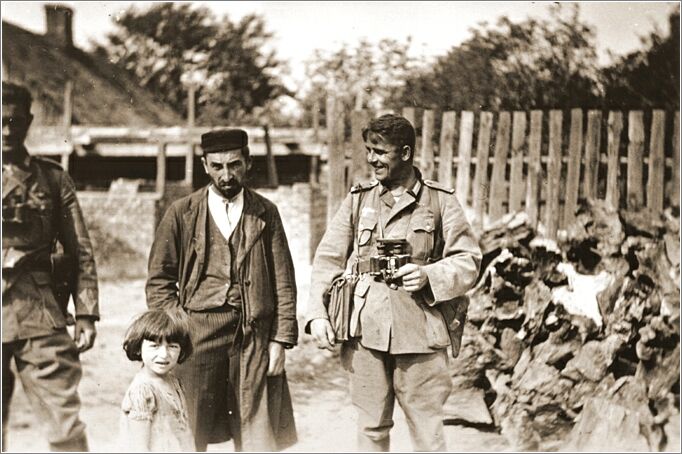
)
(414, 277)
(84, 333)
(323, 333)
(277, 357)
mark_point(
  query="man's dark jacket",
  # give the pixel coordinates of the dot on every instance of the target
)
(268, 289)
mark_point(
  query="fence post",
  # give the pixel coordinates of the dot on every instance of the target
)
(575, 145)
(553, 184)
(516, 186)
(161, 169)
(447, 138)
(480, 194)
(410, 114)
(654, 187)
(635, 196)
(273, 180)
(67, 121)
(466, 133)
(612, 184)
(534, 167)
(336, 160)
(316, 119)
(189, 165)
(675, 192)
(426, 160)
(592, 145)
(359, 169)
(498, 185)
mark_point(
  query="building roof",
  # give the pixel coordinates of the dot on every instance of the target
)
(102, 93)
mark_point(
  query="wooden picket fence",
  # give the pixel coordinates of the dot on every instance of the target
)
(543, 166)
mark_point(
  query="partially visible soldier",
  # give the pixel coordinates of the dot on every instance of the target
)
(39, 212)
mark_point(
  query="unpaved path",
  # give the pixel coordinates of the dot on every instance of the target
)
(324, 415)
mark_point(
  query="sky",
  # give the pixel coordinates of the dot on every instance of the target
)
(301, 27)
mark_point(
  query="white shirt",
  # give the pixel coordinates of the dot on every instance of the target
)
(225, 213)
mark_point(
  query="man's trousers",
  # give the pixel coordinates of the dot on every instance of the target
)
(49, 370)
(421, 384)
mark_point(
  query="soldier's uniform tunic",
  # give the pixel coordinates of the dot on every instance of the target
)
(33, 322)
(400, 338)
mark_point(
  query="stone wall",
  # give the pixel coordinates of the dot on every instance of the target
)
(121, 227)
(122, 224)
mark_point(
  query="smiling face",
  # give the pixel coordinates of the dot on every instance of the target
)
(227, 171)
(391, 163)
(161, 357)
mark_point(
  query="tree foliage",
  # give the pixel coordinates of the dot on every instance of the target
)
(168, 46)
(648, 77)
(365, 76)
(531, 64)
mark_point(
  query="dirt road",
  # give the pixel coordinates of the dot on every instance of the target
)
(324, 416)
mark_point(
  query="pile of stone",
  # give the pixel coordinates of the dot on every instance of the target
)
(575, 344)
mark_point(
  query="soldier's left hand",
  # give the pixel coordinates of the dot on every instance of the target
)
(84, 333)
(414, 277)
(276, 359)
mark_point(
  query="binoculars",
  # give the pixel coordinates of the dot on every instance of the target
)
(392, 254)
(16, 213)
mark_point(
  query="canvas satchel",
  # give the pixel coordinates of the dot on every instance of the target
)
(339, 297)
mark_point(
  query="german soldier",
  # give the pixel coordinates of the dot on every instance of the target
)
(414, 255)
(39, 212)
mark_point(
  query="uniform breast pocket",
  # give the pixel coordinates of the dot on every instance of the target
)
(45, 210)
(366, 226)
(421, 237)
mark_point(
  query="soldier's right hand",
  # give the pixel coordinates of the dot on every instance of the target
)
(323, 333)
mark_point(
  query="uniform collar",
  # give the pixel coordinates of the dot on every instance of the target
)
(23, 160)
(413, 191)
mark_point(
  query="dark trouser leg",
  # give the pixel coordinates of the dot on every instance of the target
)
(50, 371)
(205, 376)
(422, 385)
(371, 389)
(7, 387)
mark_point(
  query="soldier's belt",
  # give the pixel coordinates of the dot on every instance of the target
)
(363, 265)
(41, 262)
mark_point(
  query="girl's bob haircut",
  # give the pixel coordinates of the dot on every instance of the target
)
(157, 325)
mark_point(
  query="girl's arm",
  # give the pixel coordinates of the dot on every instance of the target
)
(139, 433)
(139, 407)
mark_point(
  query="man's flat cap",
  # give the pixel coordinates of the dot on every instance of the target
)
(224, 140)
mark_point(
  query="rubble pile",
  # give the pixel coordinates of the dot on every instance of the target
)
(575, 344)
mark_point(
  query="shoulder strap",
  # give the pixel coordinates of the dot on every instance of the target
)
(45, 169)
(354, 215)
(434, 202)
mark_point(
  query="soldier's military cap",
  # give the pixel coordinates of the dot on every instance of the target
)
(224, 140)
(16, 95)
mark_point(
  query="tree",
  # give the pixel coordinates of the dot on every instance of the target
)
(366, 76)
(168, 43)
(648, 77)
(531, 64)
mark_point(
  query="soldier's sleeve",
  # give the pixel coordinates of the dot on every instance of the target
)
(457, 270)
(330, 260)
(162, 272)
(284, 327)
(74, 237)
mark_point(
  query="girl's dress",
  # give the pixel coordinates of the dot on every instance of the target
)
(146, 401)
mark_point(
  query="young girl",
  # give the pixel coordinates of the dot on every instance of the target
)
(154, 409)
